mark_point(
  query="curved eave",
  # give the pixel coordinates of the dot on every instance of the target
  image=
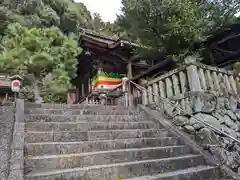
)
(86, 41)
(107, 42)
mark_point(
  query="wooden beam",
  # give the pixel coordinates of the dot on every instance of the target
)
(93, 47)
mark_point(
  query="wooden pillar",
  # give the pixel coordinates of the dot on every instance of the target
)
(89, 85)
(6, 96)
(77, 94)
(129, 75)
(82, 89)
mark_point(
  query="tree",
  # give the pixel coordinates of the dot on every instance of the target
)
(97, 23)
(39, 55)
(65, 14)
(44, 54)
(172, 27)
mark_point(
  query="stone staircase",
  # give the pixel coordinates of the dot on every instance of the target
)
(105, 143)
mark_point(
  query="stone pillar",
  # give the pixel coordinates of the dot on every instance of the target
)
(194, 81)
(216, 82)
(150, 95)
(125, 88)
(192, 73)
(156, 93)
(144, 97)
(169, 87)
(6, 96)
(71, 97)
(162, 89)
(16, 170)
(202, 79)
(103, 98)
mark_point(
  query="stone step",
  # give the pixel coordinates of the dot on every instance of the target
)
(102, 157)
(73, 106)
(72, 136)
(196, 173)
(51, 148)
(91, 111)
(119, 170)
(74, 118)
(87, 126)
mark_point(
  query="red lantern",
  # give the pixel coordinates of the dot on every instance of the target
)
(15, 86)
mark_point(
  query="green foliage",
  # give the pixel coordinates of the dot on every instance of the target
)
(236, 66)
(105, 28)
(172, 27)
(65, 14)
(46, 58)
(97, 24)
(36, 45)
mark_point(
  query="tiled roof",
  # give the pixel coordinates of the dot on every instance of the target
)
(109, 42)
(5, 82)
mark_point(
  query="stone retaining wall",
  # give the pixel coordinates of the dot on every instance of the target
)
(12, 141)
(225, 117)
(6, 129)
(16, 168)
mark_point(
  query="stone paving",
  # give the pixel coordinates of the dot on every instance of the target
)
(106, 143)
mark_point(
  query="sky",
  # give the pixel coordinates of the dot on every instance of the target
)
(238, 14)
(106, 8)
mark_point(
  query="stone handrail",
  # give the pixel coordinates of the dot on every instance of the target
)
(119, 98)
(166, 75)
(218, 80)
(129, 95)
(192, 77)
(173, 83)
(202, 101)
(104, 97)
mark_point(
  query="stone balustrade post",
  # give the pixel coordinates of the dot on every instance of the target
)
(144, 97)
(194, 81)
(103, 98)
(192, 73)
(125, 91)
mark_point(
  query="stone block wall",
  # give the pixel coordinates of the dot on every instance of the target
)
(16, 167)
(207, 93)
(6, 130)
(12, 127)
(224, 117)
